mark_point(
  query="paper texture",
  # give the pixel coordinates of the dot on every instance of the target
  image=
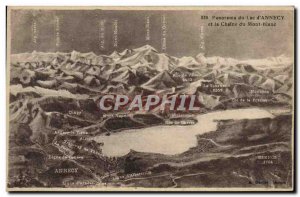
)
(150, 99)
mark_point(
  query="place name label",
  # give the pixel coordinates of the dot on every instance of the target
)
(181, 116)
(89, 150)
(79, 183)
(132, 175)
(64, 157)
(72, 112)
(59, 132)
(254, 100)
(259, 92)
(66, 170)
(115, 115)
(267, 159)
(180, 122)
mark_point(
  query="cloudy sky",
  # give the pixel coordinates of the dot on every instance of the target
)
(182, 31)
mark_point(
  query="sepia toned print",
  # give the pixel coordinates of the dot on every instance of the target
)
(150, 99)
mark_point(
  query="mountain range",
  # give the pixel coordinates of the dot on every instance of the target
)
(144, 70)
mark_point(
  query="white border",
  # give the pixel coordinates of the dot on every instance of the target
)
(3, 4)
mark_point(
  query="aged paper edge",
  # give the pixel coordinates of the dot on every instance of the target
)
(288, 7)
(141, 189)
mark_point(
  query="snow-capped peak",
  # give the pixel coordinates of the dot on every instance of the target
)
(145, 47)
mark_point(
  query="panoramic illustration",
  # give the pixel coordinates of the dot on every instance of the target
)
(150, 99)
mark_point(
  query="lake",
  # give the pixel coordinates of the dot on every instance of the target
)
(171, 140)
